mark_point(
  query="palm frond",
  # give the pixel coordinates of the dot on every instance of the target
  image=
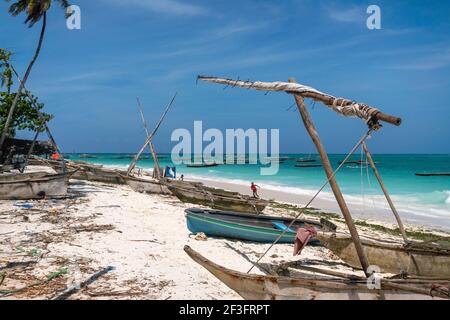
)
(34, 9)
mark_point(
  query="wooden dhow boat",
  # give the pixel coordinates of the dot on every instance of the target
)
(146, 185)
(414, 258)
(245, 226)
(269, 287)
(35, 185)
(83, 170)
(307, 286)
(218, 199)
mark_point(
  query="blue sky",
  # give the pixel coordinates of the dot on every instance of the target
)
(90, 78)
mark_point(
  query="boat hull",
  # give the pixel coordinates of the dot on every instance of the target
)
(255, 228)
(220, 202)
(33, 186)
(149, 186)
(389, 256)
(307, 287)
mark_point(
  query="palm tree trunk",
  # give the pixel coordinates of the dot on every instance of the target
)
(22, 84)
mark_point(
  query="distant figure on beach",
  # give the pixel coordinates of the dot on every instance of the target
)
(55, 156)
(254, 188)
(182, 177)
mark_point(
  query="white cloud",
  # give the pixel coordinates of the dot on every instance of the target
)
(173, 7)
(431, 62)
(353, 14)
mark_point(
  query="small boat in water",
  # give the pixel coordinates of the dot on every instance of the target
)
(301, 160)
(245, 226)
(35, 185)
(217, 198)
(433, 174)
(308, 165)
(87, 156)
(202, 165)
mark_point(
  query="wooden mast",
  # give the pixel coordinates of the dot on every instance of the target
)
(309, 125)
(150, 145)
(386, 194)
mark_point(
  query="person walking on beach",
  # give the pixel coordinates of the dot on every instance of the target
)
(254, 188)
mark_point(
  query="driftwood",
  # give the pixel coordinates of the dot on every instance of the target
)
(345, 107)
(72, 290)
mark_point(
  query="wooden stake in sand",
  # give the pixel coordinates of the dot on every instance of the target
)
(150, 137)
(150, 145)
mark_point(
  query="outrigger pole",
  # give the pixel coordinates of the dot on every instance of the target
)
(150, 137)
(343, 106)
(150, 145)
(386, 194)
(309, 125)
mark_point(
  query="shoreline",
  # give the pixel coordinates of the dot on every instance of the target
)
(372, 207)
(380, 214)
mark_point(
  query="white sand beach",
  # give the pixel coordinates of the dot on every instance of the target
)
(141, 236)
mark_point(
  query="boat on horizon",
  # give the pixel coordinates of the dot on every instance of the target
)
(201, 165)
(307, 165)
(433, 174)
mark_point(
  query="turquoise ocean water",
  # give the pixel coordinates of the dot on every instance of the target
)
(426, 197)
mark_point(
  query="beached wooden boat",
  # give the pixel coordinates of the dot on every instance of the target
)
(218, 199)
(36, 185)
(97, 173)
(84, 170)
(307, 165)
(433, 174)
(306, 286)
(395, 257)
(202, 165)
(244, 226)
(146, 185)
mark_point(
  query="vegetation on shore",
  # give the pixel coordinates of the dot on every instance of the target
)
(26, 114)
(414, 234)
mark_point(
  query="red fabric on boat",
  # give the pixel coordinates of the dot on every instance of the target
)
(302, 238)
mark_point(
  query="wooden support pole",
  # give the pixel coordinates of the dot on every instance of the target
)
(345, 107)
(309, 125)
(386, 194)
(150, 145)
(150, 137)
(44, 123)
